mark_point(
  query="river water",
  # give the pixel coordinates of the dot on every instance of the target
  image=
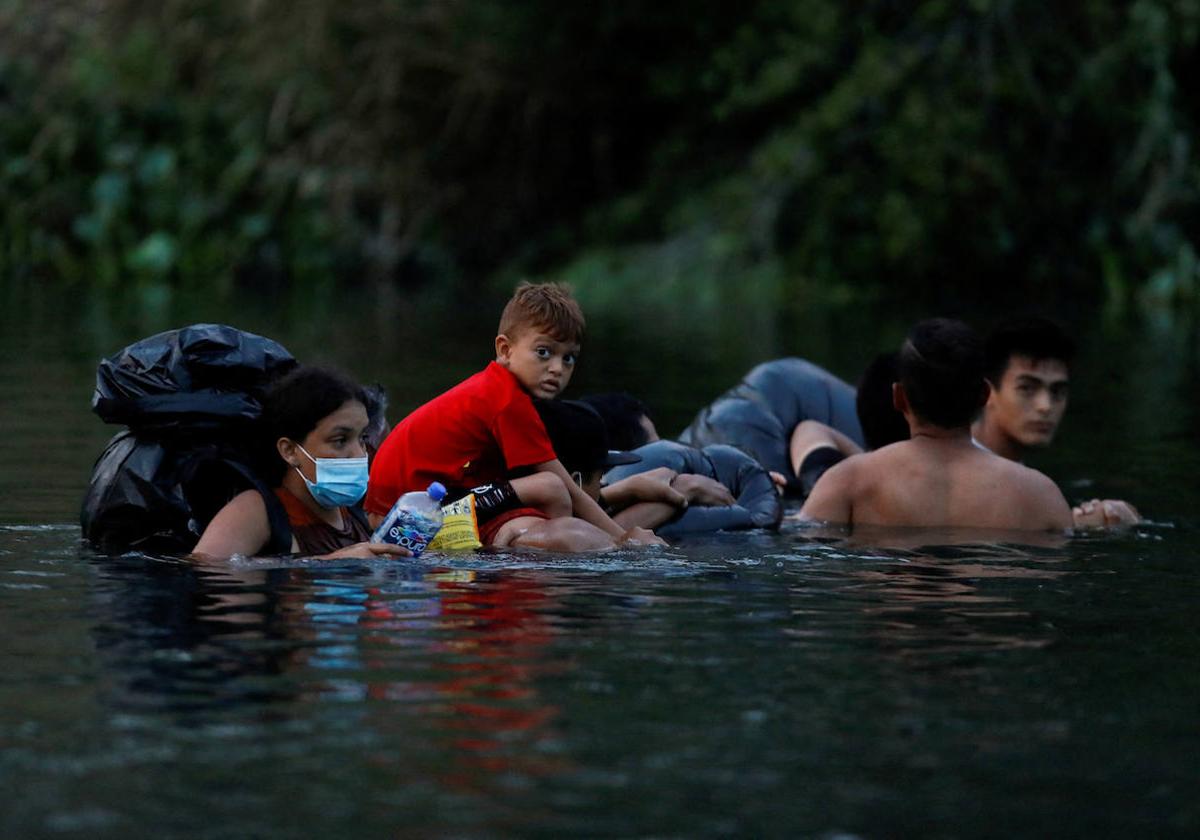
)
(730, 685)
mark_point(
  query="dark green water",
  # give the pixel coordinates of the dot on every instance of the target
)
(731, 685)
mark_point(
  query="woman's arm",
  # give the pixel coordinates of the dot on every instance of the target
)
(241, 527)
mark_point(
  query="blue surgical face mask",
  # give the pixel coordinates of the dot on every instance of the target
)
(340, 481)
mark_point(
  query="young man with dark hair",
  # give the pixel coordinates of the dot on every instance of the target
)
(1027, 364)
(939, 477)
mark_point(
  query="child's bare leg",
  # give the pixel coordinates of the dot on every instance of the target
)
(566, 534)
(544, 491)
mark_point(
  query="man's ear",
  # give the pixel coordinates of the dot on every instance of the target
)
(990, 390)
(503, 348)
(899, 398)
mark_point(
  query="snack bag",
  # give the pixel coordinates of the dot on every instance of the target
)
(460, 530)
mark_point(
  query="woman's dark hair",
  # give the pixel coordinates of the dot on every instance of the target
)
(622, 415)
(881, 422)
(941, 369)
(296, 402)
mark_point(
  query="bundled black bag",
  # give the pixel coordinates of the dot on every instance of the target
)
(191, 398)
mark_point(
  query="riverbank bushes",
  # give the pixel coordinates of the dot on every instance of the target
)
(935, 149)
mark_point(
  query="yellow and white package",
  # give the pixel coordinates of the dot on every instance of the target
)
(460, 530)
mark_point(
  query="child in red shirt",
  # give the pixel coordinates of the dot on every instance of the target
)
(485, 436)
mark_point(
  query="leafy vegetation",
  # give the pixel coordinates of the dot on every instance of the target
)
(846, 151)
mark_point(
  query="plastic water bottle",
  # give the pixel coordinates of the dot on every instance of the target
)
(414, 520)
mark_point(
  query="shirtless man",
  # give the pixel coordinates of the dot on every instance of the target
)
(1027, 366)
(939, 477)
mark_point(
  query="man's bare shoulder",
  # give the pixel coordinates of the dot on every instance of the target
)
(831, 497)
(854, 470)
(864, 471)
(879, 461)
(1016, 471)
(1038, 492)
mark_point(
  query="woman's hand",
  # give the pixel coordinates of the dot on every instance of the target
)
(367, 550)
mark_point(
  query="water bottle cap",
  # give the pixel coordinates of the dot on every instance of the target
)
(436, 491)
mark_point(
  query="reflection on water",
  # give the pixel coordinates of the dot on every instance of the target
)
(757, 685)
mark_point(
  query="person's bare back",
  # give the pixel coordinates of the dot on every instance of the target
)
(937, 481)
(939, 477)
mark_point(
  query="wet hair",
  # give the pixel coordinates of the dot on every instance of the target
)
(546, 306)
(622, 415)
(577, 433)
(375, 400)
(941, 368)
(296, 402)
(881, 422)
(1032, 336)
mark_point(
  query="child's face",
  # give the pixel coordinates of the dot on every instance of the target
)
(542, 364)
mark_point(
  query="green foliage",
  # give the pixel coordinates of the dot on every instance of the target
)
(769, 149)
(953, 151)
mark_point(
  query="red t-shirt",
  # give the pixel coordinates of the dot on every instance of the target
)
(475, 433)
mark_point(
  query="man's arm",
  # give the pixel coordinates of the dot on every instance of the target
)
(831, 500)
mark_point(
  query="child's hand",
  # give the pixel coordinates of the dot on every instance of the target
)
(650, 486)
(702, 490)
(367, 550)
(640, 536)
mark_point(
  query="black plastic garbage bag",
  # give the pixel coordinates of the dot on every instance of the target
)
(758, 503)
(205, 375)
(190, 398)
(759, 414)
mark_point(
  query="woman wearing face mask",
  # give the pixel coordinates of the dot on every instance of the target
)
(316, 421)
